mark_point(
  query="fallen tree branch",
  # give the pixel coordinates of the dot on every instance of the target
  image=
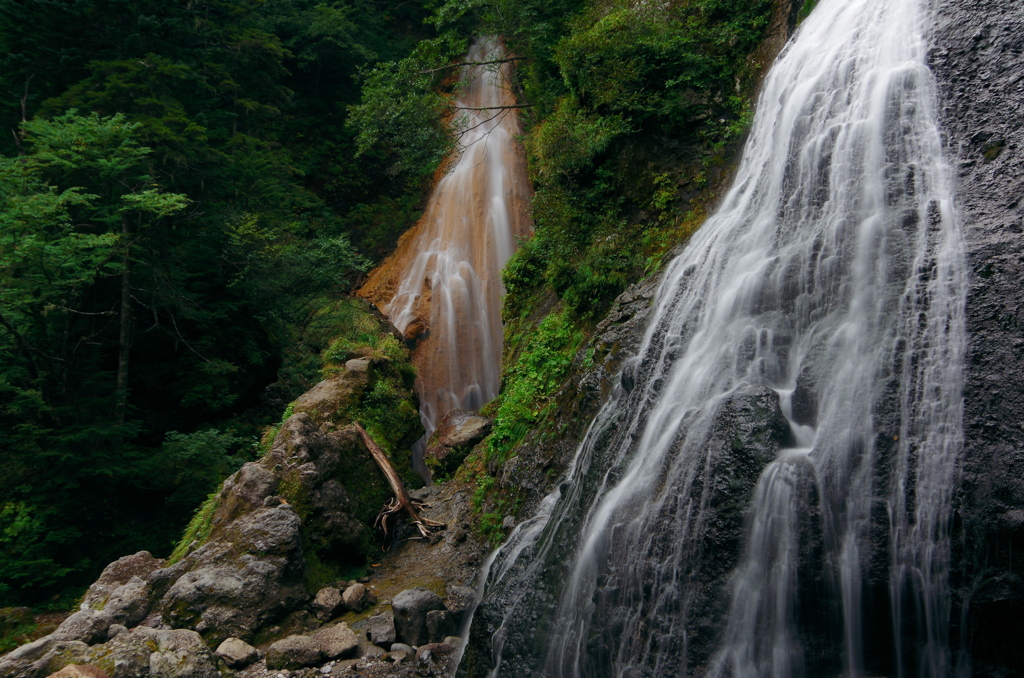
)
(402, 501)
(472, 63)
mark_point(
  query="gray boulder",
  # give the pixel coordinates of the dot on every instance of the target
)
(237, 653)
(129, 603)
(337, 641)
(294, 652)
(440, 625)
(88, 626)
(410, 608)
(238, 583)
(380, 629)
(181, 653)
(357, 598)
(118, 574)
(454, 438)
(459, 600)
(115, 630)
(327, 603)
(127, 654)
(17, 662)
(400, 651)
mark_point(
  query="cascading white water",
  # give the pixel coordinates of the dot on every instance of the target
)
(832, 278)
(442, 287)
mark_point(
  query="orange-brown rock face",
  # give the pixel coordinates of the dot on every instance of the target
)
(442, 285)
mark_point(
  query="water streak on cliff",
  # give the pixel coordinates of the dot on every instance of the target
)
(442, 286)
(826, 297)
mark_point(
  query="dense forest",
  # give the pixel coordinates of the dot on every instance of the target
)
(180, 197)
(189, 190)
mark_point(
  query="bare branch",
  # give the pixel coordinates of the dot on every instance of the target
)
(472, 63)
(490, 108)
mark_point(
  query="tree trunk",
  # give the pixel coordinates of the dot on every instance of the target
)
(124, 339)
(402, 501)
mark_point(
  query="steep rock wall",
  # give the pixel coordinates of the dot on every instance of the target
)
(978, 59)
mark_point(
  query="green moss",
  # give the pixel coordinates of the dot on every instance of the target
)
(291, 489)
(267, 439)
(318, 573)
(198, 530)
(993, 150)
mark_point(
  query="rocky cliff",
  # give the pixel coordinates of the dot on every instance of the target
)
(978, 57)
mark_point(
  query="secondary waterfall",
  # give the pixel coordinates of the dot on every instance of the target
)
(769, 490)
(442, 287)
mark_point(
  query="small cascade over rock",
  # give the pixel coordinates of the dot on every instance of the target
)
(442, 287)
(769, 490)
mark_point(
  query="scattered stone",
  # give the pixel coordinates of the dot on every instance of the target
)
(440, 624)
(357, 598)
(380, 629)
(328, 603)
(80, 671)
(453, 641)
(433, 650)
(410, 608)
(368, 649)
(237, 653)
(459, 600)
(400, 652)
(508, 522)
(337, 641)
(294, 652)
(343, 666)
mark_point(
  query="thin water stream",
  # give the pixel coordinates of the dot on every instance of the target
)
(442, 287)
(825, 297)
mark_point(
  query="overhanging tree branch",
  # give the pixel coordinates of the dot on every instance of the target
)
(472, 63)
(490, 108)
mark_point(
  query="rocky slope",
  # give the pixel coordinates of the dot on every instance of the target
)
(257, 585)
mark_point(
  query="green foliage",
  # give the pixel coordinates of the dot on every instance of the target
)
(212, 178)
(198, 530)
(17, 627)
(571, 139)
(402, 111)
(637, 103)
(635, 108)
(531, 381)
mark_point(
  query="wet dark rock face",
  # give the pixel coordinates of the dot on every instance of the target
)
(978, 59)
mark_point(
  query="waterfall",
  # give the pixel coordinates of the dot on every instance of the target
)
(442, 287)
(768, 491)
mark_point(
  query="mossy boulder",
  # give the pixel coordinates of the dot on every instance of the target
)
(453, 439)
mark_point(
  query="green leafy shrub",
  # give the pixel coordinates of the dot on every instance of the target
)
(198, 530)
(531, 382)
